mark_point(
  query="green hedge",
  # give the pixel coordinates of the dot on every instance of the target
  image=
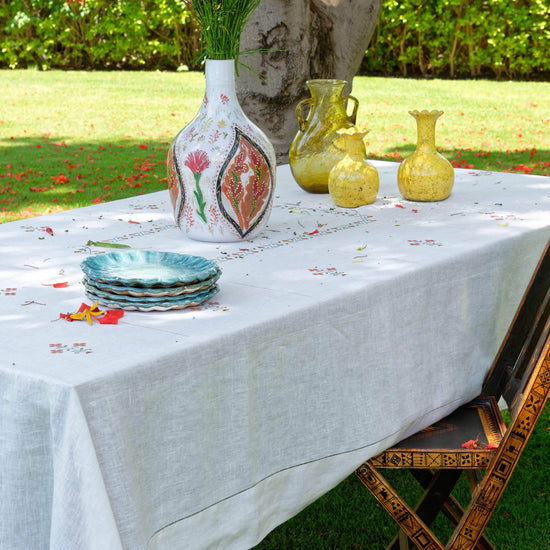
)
(106, 34)
(462, 38)
(447, 38)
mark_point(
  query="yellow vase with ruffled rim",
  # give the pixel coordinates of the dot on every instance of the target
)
(425, 175)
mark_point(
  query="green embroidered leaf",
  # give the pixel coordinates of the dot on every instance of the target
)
(107, 245)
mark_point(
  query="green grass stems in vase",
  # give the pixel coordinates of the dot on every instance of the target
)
(221, 23)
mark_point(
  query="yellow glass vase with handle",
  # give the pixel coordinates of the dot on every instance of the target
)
(317, 147)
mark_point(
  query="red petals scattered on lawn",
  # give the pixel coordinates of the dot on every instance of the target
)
(103, 175)
(60, 179)
(461, 163)
(522, 168)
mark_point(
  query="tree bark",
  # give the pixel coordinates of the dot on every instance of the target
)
(312, 39)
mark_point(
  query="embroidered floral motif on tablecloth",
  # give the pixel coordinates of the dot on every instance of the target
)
(34, 228)
(8, 291)
(356, 219)
(327, 271)
(425, 242)
(77, 348)
(139, 207)
(158, 227)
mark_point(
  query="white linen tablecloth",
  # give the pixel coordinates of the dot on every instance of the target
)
(335, 334)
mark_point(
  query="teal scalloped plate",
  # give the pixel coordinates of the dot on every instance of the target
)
(130, 303)
(97, 286)
(148, 268)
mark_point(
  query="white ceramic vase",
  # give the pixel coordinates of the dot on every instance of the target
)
(221, 166)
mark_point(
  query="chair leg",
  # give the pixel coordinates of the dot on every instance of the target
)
(437, 487)
(451, 508)
(401, 512)
(403, 540)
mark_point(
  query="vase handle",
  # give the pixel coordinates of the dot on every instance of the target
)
(299, 109)
(353, 116)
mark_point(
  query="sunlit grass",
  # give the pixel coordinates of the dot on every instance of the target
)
(69, 139)
(502, 126)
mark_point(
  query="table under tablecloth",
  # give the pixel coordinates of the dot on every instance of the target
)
(335, 333)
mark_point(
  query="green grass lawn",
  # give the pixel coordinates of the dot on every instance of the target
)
(69, 139)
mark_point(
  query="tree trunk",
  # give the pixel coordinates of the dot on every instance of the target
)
(312, 39)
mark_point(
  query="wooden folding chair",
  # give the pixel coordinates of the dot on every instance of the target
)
(474, 439)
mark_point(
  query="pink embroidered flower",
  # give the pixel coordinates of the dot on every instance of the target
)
(197, 161)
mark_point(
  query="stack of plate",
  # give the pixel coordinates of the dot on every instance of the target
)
(141, 280)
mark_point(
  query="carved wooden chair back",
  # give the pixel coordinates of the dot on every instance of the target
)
(513, 366)
(521, 375)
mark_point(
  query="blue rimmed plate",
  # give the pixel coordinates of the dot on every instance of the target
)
(130, 303)
(138, 291)
(148, 268)
(100, 294)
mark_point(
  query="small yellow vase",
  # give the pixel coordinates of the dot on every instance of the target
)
(353, 182)
(425, 175)
(316, 148)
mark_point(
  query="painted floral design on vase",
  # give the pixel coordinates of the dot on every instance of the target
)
(221, 166)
